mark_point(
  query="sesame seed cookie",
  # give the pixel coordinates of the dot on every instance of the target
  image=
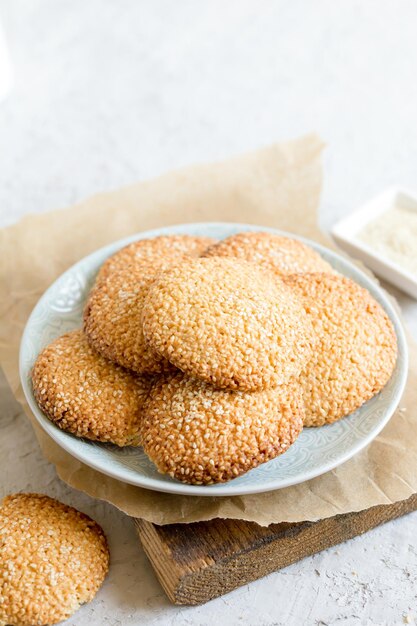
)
(53, 559)
(168, 249)
(112, 316)
(356, 351)
(202, 435)
(283, 255)
(227, 322)
(85, 394)
(113, 319)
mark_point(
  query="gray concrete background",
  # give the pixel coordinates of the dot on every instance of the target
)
(107, 93)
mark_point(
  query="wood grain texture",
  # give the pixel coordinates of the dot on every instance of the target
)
(197, 562)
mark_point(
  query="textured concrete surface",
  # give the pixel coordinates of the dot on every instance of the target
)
(107, 93)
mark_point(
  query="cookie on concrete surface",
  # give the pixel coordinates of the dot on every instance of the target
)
(283, 255)
(113, 318)
(227, 322)
(87, 395)
(356, 351)
(202, 435)
(53, 559)
(168, 249)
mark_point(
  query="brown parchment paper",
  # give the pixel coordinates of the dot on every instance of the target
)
(275, 186)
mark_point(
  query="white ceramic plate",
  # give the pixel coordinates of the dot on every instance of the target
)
(315, 452)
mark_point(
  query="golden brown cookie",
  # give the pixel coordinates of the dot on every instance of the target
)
(201, 435)
(113, 319)
(357, 347)
(283, 255)
(167, 249)
(52, 559)
(87, 395)
(227, 322)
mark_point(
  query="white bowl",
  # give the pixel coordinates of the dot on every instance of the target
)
(317, 450)
(346, 231)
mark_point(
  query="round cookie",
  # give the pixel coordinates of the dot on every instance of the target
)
(166, 248)
(53, 559)
(227, 322)
(85, 394)
(356, 351)
(202, 435)
(280, 254)
(113, 318)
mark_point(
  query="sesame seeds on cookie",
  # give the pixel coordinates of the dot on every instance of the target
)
(53, 559)
(113, 319)
(165, 248)
(85, 394)
(282, 255)
(112, 316)
(356, 351)
(202, 435)
(227, 322)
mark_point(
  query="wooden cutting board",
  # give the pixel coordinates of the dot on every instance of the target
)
(197, 562)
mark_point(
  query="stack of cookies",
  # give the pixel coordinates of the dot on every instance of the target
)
(213, 355)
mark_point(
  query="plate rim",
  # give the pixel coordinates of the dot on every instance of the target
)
(222, 489)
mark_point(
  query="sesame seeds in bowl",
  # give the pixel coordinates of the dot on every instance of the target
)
(314, 451)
